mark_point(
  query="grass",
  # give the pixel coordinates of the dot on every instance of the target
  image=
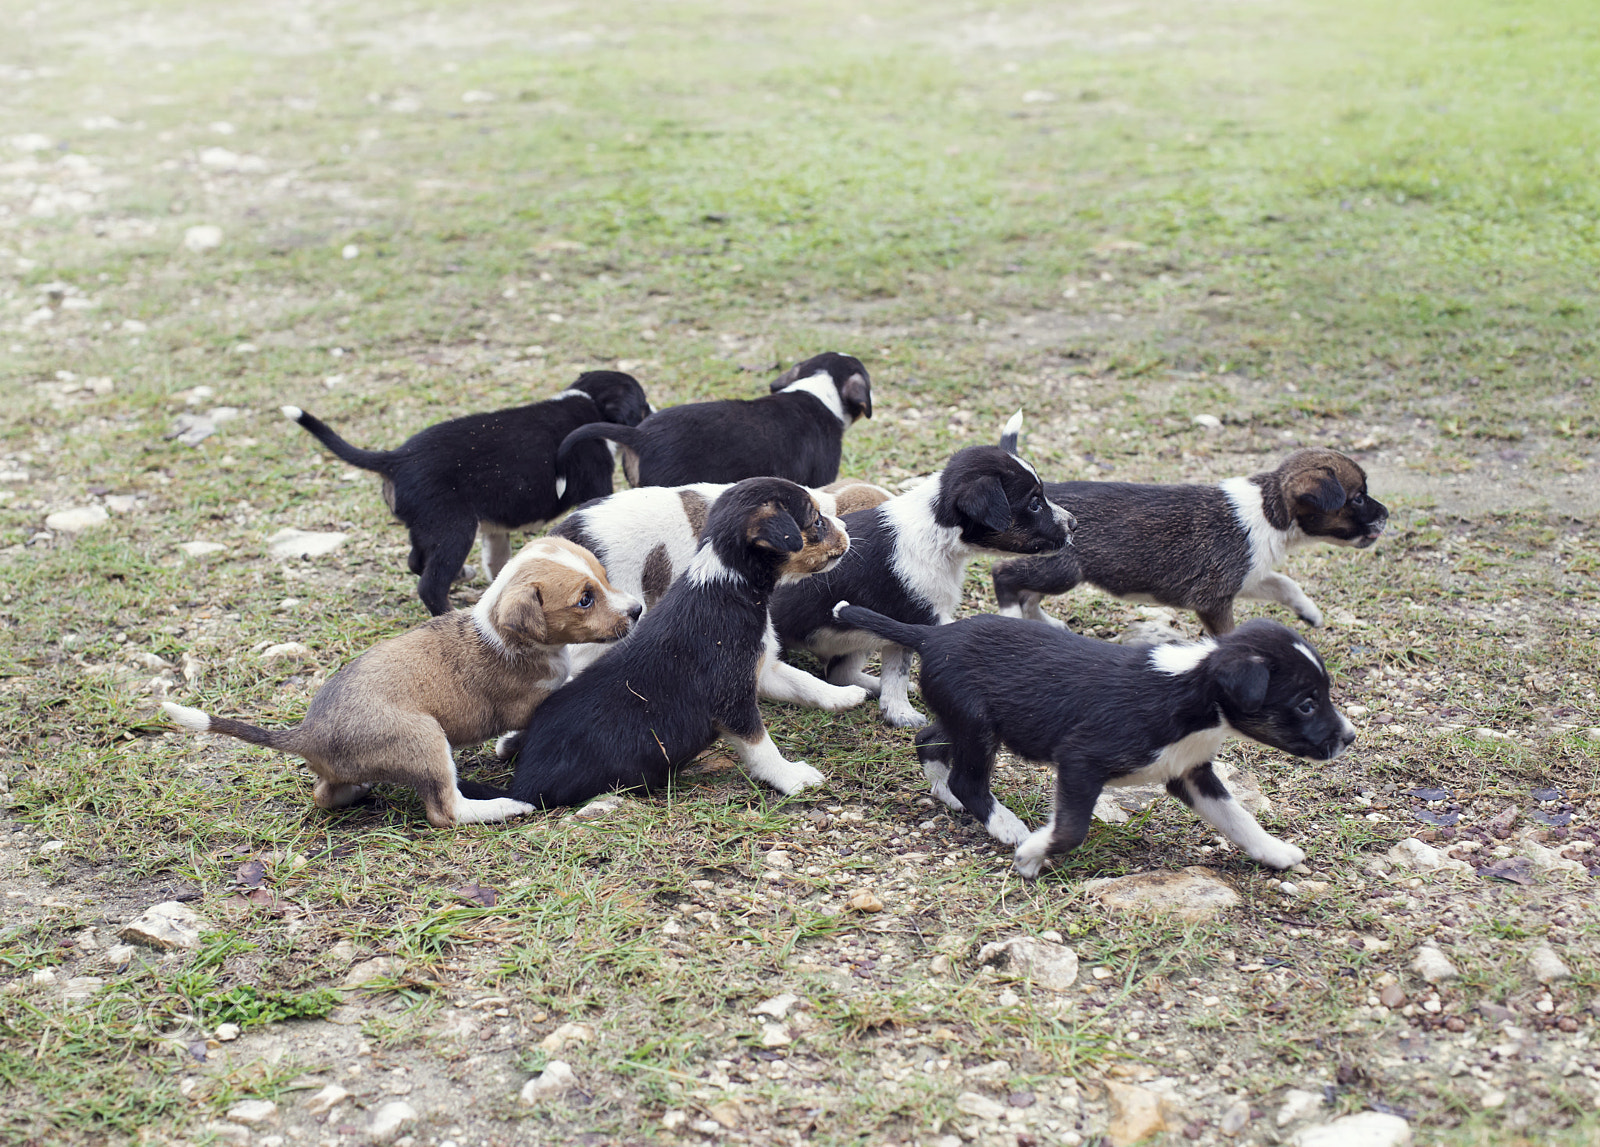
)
(1366, 226)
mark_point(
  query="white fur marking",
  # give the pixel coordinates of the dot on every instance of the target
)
(707, 568)
(1013, 425)
(292, 413)
(1005, 826)
(1234, 821)
(570, 393)
(1026, 465)
(561, 484)
(1310, 656)
(192, 719)
(765, 764)
(1032, 853)
(938, 775)
(1174, 760)
(821, 387)
(469, 811)
(1179, 659)
(930, 560)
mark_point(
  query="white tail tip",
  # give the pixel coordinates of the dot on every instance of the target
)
(839, 606)
(1014, 424)
(192, 719)
(292, 413)
(561, 484)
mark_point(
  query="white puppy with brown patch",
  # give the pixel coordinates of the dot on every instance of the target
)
(394, 714)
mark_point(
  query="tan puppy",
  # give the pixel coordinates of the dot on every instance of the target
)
(394, 713)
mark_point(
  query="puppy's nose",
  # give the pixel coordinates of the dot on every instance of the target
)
(635, 610)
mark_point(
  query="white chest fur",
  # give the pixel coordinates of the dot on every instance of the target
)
(1268, 544)
(1179, 757)
(929, 559)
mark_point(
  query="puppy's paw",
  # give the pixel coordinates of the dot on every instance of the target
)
(844, 697)
(941, 793)
(1310, 614)
(903, 718)
(507, 746)
(1277, 854)
(523, 808)
(1005, 826)
(1032, 855)
(794, 776)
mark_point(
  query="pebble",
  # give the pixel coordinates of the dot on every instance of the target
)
(1546, 966)
(1433, 965)
(327, 1099)
(167, 925)
(1194, 894)
(389, 1119)
(1298, 1105)
(1235, 1119)
(378, 967)
(226, 1033)
(201, 549)
(1047, 964)
(1392, 996)
(76, 520)
(118, 955)
(980, 1106)
(288, 543)
(865, 901)
(1208, 421)
(1136, 1112)
(1367, 1129)
(202, 238)
(555, 1080)
(599, 808)
(1422, 857)
(777, 1007)
(252, 1111)
(565, 1034)
(286, 652)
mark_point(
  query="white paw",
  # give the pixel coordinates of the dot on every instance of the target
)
(844, 697)
(1005, 826)
(1277, 854)
(1041, 615)
(1310, 614)
(520, 808)
(796, 776)
(941, 792)
(903, 718)
(1011, 611)
(1031, 854)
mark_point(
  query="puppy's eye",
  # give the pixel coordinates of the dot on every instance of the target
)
(586, 600)
(1036, 505)
(1358, 499)
(1306, 707)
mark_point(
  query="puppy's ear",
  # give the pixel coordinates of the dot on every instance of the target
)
(984, 501)
(773, 528)
(789, 376)
(519, 614)
(856, 393)
(1244, 681)
(1320, 490)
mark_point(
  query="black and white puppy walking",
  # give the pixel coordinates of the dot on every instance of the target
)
(796, 432)
(688, 676)
(490, 473)
(1109, 714)
(1200, 547)
(908, 558)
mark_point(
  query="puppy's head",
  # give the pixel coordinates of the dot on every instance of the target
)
(619, 396)
(1325, 494)
(996, 500)
(554, 592)
(779, 526)
(844, 372)
(851, 494)
(1274, 688)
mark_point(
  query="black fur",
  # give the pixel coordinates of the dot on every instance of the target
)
(494, 468)
(688, 672)
(908, 558)
(1103, 712)
(791, 434)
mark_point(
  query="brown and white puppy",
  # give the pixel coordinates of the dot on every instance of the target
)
(1199, 547)
(688, 674)
(646, 538)
(394, 714)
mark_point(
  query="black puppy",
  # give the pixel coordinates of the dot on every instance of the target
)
(908, 558)
(1110, 714)
(796, 432)
(491, 472)
(688, 673)
(1200, 547)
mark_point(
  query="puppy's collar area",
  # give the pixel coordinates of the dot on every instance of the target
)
(571, 393)
(821, 387)
(1180, 658)
(1268, 543)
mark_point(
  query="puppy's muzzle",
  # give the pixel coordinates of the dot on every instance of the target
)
(1065, 520)
(1342, 740)
(1374, 532)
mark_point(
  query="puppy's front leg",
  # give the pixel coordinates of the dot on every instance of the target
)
(894, 700)
(1069, 822)
(1286, 591)
(1202, 790)
(761, 759)
(780, 681)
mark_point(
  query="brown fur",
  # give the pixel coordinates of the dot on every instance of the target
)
(852, 494)
(394, 714)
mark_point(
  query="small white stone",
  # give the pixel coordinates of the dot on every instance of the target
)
(201, 549)
(350, 251)
(52, 846)
(556, 1079)
(252, 1111)
(1208, 421)
(389, 1119)
(287, 652)
(777, 1007)
(121, 503)
(44, 976)
(776, 1035)
(167, 925)
(1298, 1105)
(1546, 966)
(76, 520)
(1433, 965)
(1050, 966)
(980, 1106)
(1367, 1129)
(119, 955)
(202, 238)
(289, 544)
(379, 967)
(326, 1099)
(565, 1034)
(226, 1033)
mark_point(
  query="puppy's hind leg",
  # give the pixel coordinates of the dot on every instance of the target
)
(761, 759)
(329, 795)
(496, 542)
(448, 549)
(933, 750)
(1020, 585)
(971, 758)
(845, 670)
(446, 804)
(1202, 790)
(780, 681)
(894, 701)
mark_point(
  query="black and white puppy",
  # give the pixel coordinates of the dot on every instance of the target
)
(1200, 547)
(908, 558)
(796, 432)
(646, 537)
(492, 473)
(688, 675)
(1108, 714)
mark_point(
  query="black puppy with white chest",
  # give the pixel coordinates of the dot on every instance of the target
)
(492, 473)
(796, 432)
(1109, 714)
(688, 673)
(908, 558)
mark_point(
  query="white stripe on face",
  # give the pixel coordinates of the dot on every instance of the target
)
(1310, 656)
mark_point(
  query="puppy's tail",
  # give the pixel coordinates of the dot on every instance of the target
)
(283, 740)
(628, 436)
(1012, 433)
(860, 617)
(366, 459)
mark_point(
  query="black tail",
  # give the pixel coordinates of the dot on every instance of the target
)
(860, 617)
(198, 721)
(1010, 433)
(366, 459)
(628, 436)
